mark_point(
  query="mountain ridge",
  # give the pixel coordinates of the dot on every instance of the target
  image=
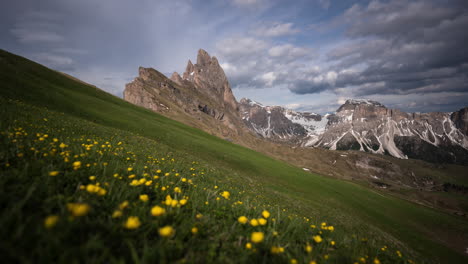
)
(366, 125)
(202, 97)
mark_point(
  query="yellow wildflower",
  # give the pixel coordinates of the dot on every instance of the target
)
(54, 173)
(317, 239)
(376, 261)
(225, 194)
(117, 214)
(157, 211)
(308, 248)
(144, 197)
(133, 222)
(183, 202)
(76, 165)
(242, 219)
(257, 237)
(92, 178)
(248, 245)
(166, 231)
(123, 205)
(78, 209)
(51, 221)
(293, 261)
(177, 190)
(194, 230)
(276, 250)
(262, 221)
(265, 214)
(254, 222)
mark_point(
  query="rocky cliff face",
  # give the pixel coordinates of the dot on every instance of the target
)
(366, 126)
(202, 92)
(279, 124)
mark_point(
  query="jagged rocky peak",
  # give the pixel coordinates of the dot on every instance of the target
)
(176, 78)
(203, 58)
(149, 73)
(208, 76)
(250, 102)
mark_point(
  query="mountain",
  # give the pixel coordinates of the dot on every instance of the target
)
(201, 97)
(366, 125)
(282, 125)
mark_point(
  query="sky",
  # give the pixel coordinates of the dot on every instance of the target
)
(306, 55)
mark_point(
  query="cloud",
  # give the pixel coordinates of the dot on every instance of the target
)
(325, 4)
(246, 2)
(399, 47)
(252, 62)
(290, 51)
(276, 30)
(236, 47)
(37, 27)
(54, 61)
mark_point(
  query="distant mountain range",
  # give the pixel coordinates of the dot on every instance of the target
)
(202, 97)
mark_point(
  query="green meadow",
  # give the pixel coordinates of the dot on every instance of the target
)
(88, 177)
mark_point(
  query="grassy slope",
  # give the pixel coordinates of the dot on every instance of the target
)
(354, 207)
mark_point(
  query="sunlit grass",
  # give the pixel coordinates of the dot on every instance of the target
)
(75, 191)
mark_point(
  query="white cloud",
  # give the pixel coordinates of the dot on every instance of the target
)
(25, 35)
(240, 46)
(268, 78)
(276, 30)
(246, 3)
(53, 60)
(37, 27)
(290, 51)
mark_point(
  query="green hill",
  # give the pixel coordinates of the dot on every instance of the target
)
(105, 151)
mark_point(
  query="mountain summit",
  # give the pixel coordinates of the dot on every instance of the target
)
(201, 97)
(208, 76)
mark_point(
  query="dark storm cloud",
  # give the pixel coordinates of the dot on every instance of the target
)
(402, 47)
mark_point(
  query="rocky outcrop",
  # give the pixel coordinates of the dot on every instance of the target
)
(202, 93)
(209, 78)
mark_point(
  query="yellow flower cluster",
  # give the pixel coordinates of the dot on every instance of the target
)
(132, 222)
(78, 209)
(91, 188)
